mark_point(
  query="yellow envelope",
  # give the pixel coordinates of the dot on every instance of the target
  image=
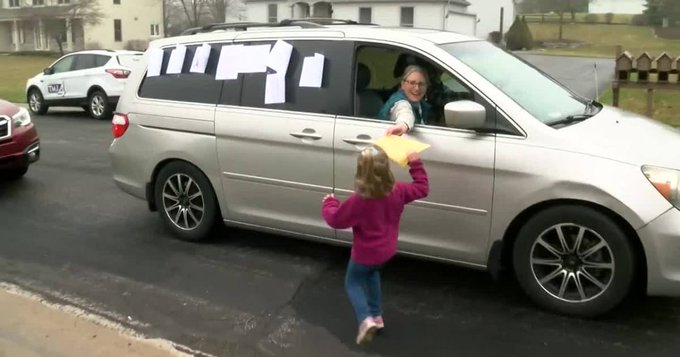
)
(398, 147)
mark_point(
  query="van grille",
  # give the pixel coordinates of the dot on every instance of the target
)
(5, 127)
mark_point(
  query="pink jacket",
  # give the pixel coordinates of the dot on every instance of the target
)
(375, 222)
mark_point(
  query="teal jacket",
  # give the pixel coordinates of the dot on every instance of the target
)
(420, 115)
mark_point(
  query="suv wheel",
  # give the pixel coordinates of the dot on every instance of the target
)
(36, 102)
(186, 201)
(98, 105)
(574, 260)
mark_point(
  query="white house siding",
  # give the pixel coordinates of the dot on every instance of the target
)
(489, 15)
(633, 7)
(428, 15)
(478, 19)
(136, 17)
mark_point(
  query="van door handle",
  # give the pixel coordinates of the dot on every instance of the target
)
(307, 133)
(362, 139)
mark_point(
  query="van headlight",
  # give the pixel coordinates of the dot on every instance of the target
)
(666, 181)
(22, 118)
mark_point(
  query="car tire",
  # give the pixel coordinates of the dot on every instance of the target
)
(36, 102)
(574, 260)
(186, 201)
(16, 174)
(98, 105)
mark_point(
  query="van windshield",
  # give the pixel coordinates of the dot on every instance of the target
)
(538, 94)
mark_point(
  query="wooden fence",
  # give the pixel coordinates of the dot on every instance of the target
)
(660, 72)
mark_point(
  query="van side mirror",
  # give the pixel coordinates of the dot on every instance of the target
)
(464, 114)
(48, 71)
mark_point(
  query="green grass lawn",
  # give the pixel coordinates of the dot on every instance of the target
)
(666, 103)
(601, 40)
(15, 70)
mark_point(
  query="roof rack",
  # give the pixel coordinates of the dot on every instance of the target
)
(311, 22)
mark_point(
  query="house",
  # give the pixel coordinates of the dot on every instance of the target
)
(470, 17)
(632, 7)
(35, 25)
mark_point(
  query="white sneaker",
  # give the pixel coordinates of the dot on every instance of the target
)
(366, 331)
(379, 323)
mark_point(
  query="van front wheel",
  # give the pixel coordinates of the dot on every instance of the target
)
(574, 260)
(186, 201)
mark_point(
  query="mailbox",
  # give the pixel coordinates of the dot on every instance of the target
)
(624, 65)
(644, 66)
(664, 66)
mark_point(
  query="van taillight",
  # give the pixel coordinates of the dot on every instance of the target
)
(119, 124)
(118, 73)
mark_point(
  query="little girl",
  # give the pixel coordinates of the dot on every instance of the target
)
(373, 212)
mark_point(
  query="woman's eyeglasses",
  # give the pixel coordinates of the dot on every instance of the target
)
(416, 83)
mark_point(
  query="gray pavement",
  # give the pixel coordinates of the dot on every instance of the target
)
(588, 77)
(69, 234)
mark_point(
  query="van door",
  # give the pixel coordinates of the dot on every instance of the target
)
(276, 160)
(453, 222)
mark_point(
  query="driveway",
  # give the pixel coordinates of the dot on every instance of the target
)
(588, 77)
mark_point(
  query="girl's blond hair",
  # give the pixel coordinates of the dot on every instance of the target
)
(373, 179)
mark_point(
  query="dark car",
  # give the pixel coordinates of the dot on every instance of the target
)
(19, 142)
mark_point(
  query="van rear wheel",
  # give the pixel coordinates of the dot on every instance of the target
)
(574, 260)
(186, 201)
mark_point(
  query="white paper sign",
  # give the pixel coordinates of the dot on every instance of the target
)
(253, 59)
(312, 71)
(155, 62)
(200, 61)
(275, 88)
(176, 60)
(279, 57)
(227, 66)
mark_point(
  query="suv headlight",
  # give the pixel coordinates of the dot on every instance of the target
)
(22, 118)
(666, 181)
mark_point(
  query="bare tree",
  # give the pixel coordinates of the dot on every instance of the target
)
(218, 9)
(60, 19)
(193, 9)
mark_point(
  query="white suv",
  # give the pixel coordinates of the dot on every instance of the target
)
(92, 80)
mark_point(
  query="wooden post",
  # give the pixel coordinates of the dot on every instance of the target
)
(650, 102)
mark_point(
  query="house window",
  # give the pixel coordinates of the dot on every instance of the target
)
(116, 2)
(273, 15)
(63, 2)
(117, 31)
(14, 3)
(364, 15)
(38, 2)
(406, 17)
(155, 30)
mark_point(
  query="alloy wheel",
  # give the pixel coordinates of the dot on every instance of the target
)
(572, 263)
(183, 201)
(35, 102)
(97, 105)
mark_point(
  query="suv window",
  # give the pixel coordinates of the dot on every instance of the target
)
(334, 96)
(185, 87)
(378, 74)
(85, 61)
(101, 60)
(129, 60)
(63, 65)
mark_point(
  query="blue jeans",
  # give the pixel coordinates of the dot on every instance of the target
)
(362, 283)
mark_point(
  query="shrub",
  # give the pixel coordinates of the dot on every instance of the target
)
(136, 45)
(592, 18)
(639, 20)
(93, 46)
(495, 37)
(527, 37)
(517, 36)
(609, 17)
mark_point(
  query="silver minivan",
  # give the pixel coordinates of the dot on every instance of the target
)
(580, 200)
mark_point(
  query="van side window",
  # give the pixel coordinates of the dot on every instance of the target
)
(379, 69)
(188, 87)
(334, 96)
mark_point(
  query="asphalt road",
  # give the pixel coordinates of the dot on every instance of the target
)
(588, 77)
(66, 231)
